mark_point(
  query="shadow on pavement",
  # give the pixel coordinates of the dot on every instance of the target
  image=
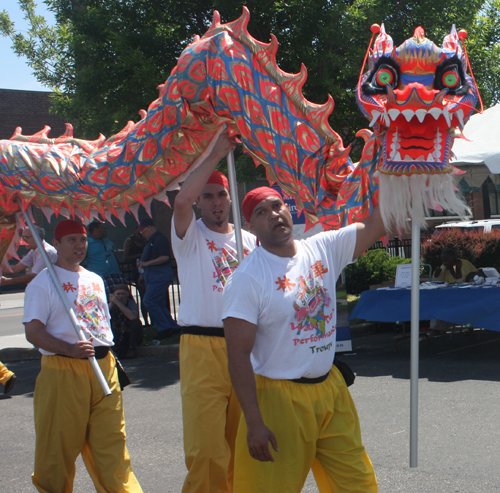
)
(443, 358)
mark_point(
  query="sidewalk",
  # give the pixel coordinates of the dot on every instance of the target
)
(17, 348)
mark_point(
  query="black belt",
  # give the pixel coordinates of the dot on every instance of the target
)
(100, 353)
(320, 379)
(202, 331)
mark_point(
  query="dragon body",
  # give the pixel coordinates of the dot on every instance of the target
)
(228, 77)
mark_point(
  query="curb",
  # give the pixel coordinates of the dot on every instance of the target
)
(12, 355)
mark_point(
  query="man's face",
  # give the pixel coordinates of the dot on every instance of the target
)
(71, 249)
(99, 232)
(447, 261)
(272, 222)
(28, 238)
(147, 232)
(122, 295)
(214, 203)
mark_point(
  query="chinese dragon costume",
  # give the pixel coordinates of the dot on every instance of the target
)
(415, 96)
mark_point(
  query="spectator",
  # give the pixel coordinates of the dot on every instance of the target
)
(101, 257)
(453, 269)
(158, 276)
(125, 323)
(132, 252)
(32, 260)
(7, 378)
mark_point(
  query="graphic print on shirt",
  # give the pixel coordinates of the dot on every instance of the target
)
(89, 309)
(225, 262)
(313, 307)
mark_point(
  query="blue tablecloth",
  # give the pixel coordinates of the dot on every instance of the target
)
(478, 306)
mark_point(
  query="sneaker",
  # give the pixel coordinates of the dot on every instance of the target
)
(10, 384)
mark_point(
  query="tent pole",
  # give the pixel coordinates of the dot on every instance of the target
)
(65, 301)
(415, 336)
(233, 190)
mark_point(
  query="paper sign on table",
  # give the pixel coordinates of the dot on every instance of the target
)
(403, 276)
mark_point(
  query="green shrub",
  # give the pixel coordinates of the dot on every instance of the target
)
(375, 267)
(482, 249)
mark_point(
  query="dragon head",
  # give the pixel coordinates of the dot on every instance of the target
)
(415, 96)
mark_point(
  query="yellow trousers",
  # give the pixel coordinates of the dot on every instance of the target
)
(5, 374)
(316, 425)
(73, 416)
(211, 414)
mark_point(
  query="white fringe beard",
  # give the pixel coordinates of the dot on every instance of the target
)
(403, 197)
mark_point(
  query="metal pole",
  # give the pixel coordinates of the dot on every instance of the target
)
(233, 190)
(415, 336)
(65, 301)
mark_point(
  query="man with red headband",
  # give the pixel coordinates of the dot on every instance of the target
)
(280, 324)
(72, 414)
(205, 251)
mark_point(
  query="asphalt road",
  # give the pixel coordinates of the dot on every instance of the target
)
(459, 402)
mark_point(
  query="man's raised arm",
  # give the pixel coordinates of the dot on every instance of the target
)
(192, 187)
(368, 232)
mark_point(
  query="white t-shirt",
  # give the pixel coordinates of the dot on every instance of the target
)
(85, 292)
(34, 260)
(205, 260)
(293, 303)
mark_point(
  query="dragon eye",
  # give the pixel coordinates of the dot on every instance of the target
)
(450, 79)
(384, 77)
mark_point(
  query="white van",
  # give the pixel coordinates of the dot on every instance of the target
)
(484, 225)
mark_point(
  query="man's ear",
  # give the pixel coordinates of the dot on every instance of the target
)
(250, 227)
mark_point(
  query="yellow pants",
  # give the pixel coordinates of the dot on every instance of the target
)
(73, 416)
(211, 414)
(5, 374)
(316, 425)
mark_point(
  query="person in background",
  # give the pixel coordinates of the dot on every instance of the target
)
(157, 275)
(125, 323)
(133, 247)
(453, 269)
(101, 257)
(7, 378)
(33, 260)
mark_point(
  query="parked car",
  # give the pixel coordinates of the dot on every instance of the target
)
(484, 225)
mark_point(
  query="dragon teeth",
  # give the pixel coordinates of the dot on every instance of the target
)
(435, 112)
(394, 113)
(460, 116)
(421, 114)
(375, 117)
(408, 114)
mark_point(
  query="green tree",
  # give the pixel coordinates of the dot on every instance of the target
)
(105, 58)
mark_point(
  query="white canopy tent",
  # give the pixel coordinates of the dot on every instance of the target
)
(480, 157)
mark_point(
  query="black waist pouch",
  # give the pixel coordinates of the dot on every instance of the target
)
(346, 371)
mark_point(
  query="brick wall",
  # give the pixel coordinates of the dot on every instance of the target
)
(28, 110)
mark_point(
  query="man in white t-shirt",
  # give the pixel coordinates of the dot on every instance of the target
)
(32, 260)
(72, 414)
(280, 324)
(205, 251)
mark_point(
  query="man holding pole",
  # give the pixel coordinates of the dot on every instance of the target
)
(205, 251)
(280, 324)
(72, 413)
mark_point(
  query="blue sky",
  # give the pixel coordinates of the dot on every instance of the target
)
(15, 73)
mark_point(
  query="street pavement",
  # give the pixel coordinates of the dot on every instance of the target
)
(459, 403)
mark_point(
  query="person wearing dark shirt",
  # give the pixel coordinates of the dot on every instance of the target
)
(125, 323)
(133, 247)
(158, 275)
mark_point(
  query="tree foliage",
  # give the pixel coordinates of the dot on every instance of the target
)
(105, 58)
